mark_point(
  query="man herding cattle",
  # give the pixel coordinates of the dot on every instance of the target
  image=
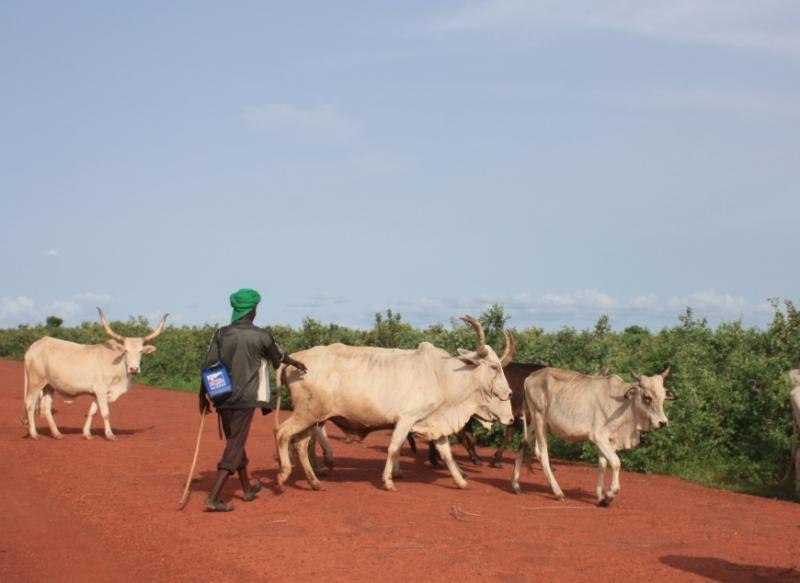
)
(607, 411)
(101, 370)
(244, 350)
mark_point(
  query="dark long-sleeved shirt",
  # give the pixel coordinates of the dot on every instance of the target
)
(244, 349)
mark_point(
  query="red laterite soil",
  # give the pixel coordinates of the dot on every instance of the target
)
(76, 510)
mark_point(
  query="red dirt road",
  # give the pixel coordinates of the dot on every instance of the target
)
(76, 510)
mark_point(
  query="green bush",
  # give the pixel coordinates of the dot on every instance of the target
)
(730, 426)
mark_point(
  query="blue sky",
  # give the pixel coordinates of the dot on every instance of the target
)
(565, 159)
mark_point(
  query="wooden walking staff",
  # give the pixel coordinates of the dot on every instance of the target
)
(185, 497)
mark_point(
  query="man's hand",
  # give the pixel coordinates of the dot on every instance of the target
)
(205, 405)
(295, 363)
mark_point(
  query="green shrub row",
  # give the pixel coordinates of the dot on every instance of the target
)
(730, 426)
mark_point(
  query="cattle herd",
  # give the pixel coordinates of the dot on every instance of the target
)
(425, 393)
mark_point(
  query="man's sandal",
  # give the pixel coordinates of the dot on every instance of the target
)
(250, 495)
(217, 505)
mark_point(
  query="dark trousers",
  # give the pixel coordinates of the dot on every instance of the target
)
(236, 425)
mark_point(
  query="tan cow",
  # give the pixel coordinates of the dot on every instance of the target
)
(101, 370)
(607, 411)
(361, 389)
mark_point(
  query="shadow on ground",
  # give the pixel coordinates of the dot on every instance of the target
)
(721, 570)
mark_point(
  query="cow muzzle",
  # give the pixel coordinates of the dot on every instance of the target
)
(133, 370)
(663, 423)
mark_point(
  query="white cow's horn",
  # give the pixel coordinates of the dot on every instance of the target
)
(482, 351)
(510, 348)
(158, 329)
(107, 328)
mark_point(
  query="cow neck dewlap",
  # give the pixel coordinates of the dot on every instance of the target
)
(445, 421)
(625, 432)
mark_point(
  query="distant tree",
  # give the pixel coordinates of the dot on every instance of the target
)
(53, 322)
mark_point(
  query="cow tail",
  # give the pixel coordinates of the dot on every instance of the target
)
(526, 456)
(25, 396)
(278, 382)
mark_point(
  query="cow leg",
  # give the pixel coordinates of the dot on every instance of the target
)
(87, 427)
(412, 443)
(443, 447)
(327, 452)
(433, 456)
(524, 444)
(312, 448)
(283, 435)
(31, 400)
(102, 403)
(467, 439)
(607, 451)
(47, 409)
(399, 435)
(602, 463)
(497, 460)
(301, 446)
(544, 456)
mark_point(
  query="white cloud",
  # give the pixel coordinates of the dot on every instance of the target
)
(582, 308)
(16, 309)
(323, 121)
(319, 300)
(63, 309)
(748, 24)
(89, 296)
(51, 253)
(24, 310)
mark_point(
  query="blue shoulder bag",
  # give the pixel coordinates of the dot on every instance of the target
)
(216, 379)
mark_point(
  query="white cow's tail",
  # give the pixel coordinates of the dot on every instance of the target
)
(278, 383)
(526, 455)
(25, 396)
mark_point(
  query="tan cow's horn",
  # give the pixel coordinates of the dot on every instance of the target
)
(665, 374)
(510, 348)
(158, 329)
(482, 351)
(638, 377)
(107, 328)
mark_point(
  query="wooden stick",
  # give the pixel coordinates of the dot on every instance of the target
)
(185, 497)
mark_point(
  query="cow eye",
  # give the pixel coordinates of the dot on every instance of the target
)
(647, 399)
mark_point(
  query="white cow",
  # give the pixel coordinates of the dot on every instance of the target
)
(794, 398)
(361, 389)
(607, 411)
(101, 370)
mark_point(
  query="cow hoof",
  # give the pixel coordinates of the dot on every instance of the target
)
(604, 503)
(561, 497)
(497, 465)
(35, 437)
(111, 437)
(389, 487)
(462, 485)
(88, 436)
(282, 479)
(58, 436)
(516, 489)
(316, 485)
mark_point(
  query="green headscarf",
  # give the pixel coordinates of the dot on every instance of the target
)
(243, 302)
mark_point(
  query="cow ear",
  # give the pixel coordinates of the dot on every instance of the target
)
(468, 357)
(632, 392)
(148, 349)
(118, 346)
(670, 396)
